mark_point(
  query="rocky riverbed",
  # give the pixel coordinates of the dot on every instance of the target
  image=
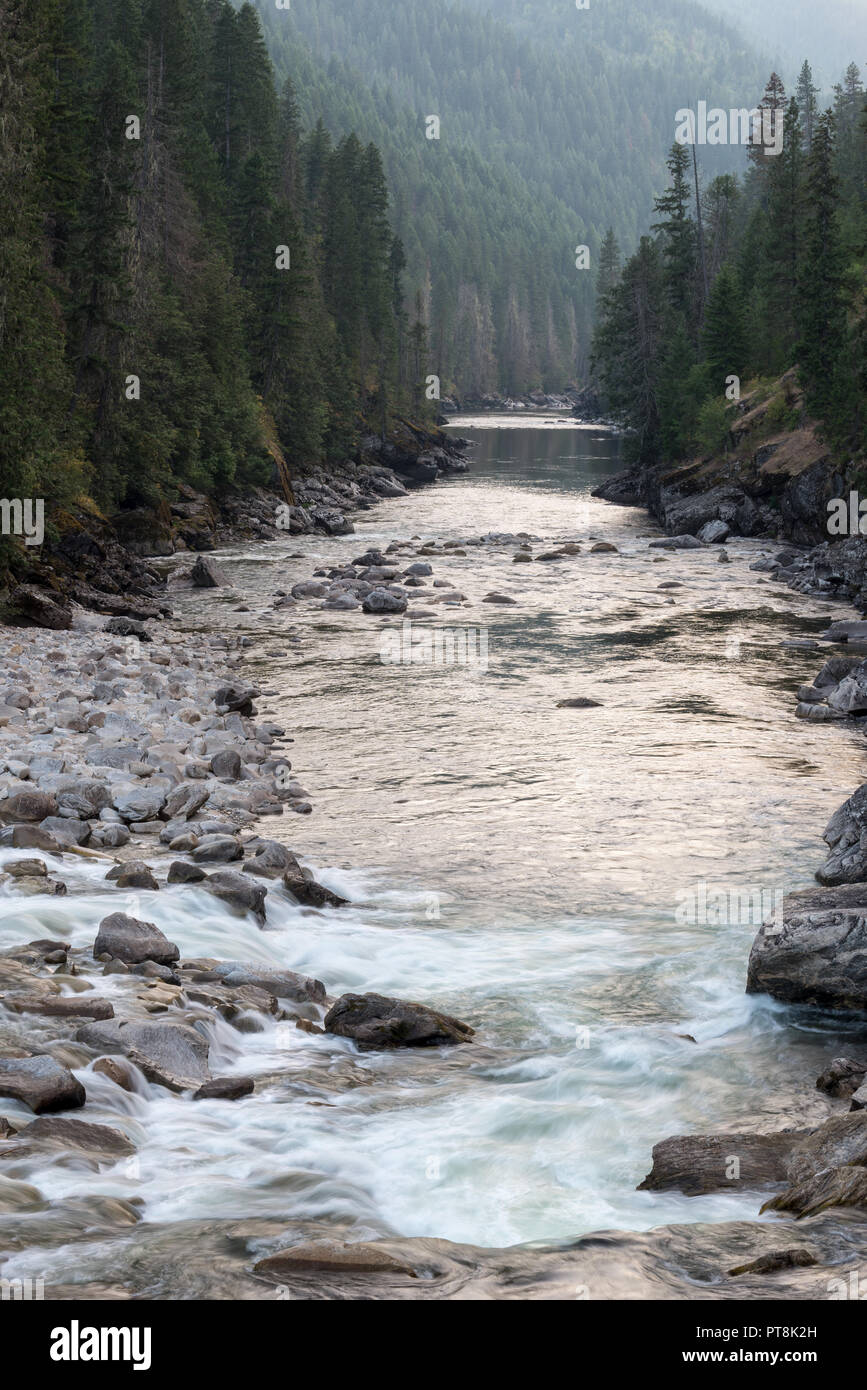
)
(142, 769)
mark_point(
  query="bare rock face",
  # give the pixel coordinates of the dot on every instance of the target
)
(837, 1143)
(846, 837)
(833, 1187)
(127, 939)
(696, 1164)
(41, 1083)
(374, 1021)
(817, 952)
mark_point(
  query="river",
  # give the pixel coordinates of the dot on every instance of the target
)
(535, 870)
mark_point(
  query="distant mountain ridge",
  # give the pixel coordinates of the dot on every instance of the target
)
(555, 124)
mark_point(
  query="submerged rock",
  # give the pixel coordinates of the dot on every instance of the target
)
(127, 939)
(361, 1257)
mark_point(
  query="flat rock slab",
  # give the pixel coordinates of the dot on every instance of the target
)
(696, 1164)
(127, 939)
(816, 953)
(363, 1257)
(374, 1021)
(57, 1006)
(41, 1083)
(52, 1133)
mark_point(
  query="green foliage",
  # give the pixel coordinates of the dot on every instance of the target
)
(159, 283)
(785, 251)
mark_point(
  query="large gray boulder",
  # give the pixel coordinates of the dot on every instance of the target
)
(127, 939)
(699, 1163)
(374, 1021)
(384, 601)
(816, 953)
(171, 1054)
(238, 891)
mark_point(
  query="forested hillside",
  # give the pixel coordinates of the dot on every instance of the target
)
(554, 126)
(185, 280)
(771, 274)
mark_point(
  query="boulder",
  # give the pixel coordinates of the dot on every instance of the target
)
(40, 1083)
(171, 1054)
(184, 801)
(817, 952)
(794, 1258)
(28, 806)
(272, 860)
(832, 1187)
(837, 1143)
(226, 1088)
(217, 849)
(696, 1164)
(384, 601)
(207, 574)
(127, 939)
(44, 1136)
(238, 892)
(33, 605)
(181, 872)
(846, 837)
(226, 764)
(676, 543)
(714, 532)
(374, 1021)
(135, 873)
(54, 1006)
(235, 697)
(303, 886)
(843, 1077)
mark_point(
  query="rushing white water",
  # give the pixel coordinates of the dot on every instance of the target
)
(525, 867)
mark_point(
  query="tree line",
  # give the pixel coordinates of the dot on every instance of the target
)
(184, 272)
(746, 278)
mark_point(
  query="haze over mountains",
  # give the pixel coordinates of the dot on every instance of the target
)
(833, 33)
(555, 125)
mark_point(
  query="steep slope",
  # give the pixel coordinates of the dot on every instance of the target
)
(555, 123)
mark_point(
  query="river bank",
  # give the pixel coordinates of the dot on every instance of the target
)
(312, 1079)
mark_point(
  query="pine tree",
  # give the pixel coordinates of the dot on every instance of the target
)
(724, 334)
(821, 309)
(807, 105)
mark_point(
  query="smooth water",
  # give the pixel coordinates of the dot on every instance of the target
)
(525, 867)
